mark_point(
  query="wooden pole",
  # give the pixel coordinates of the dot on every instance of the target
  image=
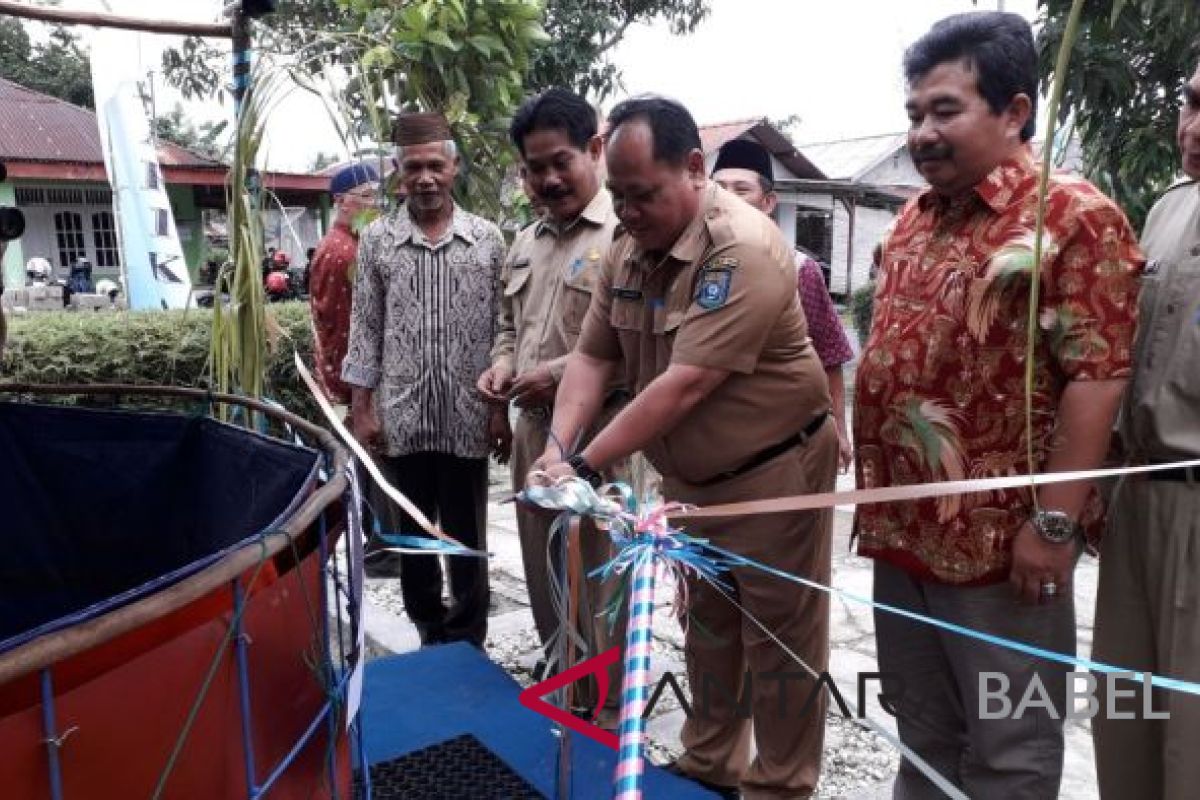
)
(100, 20)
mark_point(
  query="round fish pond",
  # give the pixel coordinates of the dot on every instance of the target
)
(163, 624)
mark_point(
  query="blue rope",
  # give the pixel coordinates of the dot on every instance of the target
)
(1174, 684)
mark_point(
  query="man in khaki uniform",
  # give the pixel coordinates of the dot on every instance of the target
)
(548, 279)
(1148, 602)
(696, 304)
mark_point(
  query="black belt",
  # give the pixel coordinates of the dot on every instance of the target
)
(772, 452)
(1182, 474)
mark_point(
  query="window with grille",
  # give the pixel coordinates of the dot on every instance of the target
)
(152, 176)
(68, 234)
(162, 222)
(104, 238)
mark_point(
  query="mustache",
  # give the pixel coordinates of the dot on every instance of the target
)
(932, 154)
(555, 194)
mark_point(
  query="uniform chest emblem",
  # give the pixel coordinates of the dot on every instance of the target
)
(713, 289)
(576, 267)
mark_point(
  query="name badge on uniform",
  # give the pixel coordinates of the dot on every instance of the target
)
(622, 293)
(715, 277)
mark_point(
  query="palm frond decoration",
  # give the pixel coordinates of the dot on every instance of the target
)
(240, 330)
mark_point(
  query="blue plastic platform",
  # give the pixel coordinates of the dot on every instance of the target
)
(419, 699)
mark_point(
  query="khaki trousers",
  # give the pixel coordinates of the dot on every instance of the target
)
(595, 549)
(1148, 619)
(727, 654)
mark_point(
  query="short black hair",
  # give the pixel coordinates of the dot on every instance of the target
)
(555, 109)
(999, 45)
(671, 125)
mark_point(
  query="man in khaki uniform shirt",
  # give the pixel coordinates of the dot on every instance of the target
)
(548, 278)
(696, 304)
(1148, 602)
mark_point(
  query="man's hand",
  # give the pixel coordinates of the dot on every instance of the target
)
(535, 388)
(545, 472)
(1036, 562)
(845, 454)
(549, 458)
(364, 424)
(495, 383)
(500, 433)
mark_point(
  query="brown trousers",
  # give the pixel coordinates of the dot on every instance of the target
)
(723, 646)
(595, 550)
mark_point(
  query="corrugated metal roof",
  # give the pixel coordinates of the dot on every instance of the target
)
(37, 127)
(849, 159)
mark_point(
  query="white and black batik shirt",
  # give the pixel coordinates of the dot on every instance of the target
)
(421, 327)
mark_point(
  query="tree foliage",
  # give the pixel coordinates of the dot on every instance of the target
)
(174, 126)
(472, 59)
(57, 66)
(583, 34)
(1123, 90)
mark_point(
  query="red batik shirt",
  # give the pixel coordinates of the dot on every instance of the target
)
(330, 280)
(940, 390)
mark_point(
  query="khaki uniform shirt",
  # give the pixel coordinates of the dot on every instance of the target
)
(1160, 418)
(723, 298)
(548, 279)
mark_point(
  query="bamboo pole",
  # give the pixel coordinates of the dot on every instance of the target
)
(97, 19)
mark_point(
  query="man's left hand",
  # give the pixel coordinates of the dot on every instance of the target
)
(1037, 562)
(535, 388)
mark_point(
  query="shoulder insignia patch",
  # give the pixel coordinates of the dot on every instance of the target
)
(715, 277)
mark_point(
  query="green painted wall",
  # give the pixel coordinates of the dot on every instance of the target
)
(189, 225)
(14, 257)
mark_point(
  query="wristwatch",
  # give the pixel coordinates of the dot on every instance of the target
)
(1055, 527)
(584, 470)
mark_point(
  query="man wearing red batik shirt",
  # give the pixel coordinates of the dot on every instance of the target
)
(331, 274)
(940, 395)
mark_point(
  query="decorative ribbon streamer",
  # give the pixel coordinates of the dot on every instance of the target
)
(423, 545)
(391, 491)
(645, 542)
(635, 686)
(917, 491)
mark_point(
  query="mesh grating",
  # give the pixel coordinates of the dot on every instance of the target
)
(455, 769)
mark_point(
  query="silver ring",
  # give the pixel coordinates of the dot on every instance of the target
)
(1049, 589)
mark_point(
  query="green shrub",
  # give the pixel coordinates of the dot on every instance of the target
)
(147, 348)
(862, 303)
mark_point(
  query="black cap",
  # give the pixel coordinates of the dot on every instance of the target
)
(745, 154)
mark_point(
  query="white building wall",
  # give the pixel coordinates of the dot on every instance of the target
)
(869, 225)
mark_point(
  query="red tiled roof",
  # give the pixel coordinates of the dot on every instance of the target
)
(38, 127)
(713, 136)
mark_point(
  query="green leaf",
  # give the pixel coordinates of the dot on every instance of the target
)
(441, 39)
